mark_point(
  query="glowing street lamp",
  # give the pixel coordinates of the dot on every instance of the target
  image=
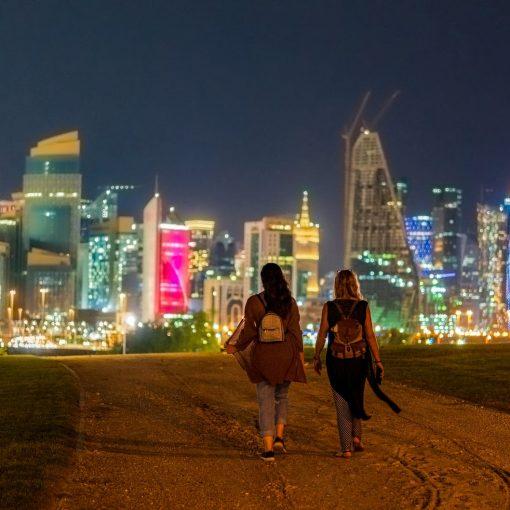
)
(43, 301)
(469, 314)
(12, 293)
(120, 321)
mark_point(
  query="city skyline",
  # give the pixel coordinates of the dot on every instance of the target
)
(202, 95)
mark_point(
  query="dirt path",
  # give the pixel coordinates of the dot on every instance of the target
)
(178, 431)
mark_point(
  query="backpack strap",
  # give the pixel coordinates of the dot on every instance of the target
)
(342, 314)
(262, 300)
(353, 307)
(340, 311)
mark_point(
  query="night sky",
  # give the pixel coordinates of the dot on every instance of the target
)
(238, 105)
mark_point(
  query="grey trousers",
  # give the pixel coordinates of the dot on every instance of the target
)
(273, 404)
(348, 427)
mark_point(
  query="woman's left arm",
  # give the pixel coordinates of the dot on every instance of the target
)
(372, 340)
(295, 329)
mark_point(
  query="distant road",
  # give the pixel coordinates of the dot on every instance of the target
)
(178, 431)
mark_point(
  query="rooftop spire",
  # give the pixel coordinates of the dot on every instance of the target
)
(156, 186)
(304, 217)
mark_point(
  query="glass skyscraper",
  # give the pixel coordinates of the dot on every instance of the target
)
(376, 245)
(51, 220)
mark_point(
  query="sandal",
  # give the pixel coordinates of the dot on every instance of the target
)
(357, 445)
(344, 455)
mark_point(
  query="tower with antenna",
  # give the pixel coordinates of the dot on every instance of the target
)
(375, 243)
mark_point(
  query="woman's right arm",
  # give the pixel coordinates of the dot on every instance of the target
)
(321, 337)
(250, 331)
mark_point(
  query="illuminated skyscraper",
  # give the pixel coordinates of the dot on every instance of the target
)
(10, 234)
(165, 264)
(152, 217)
(446, 221)
(306, 254)
(420, 239)
(492, 225)
(51, 219)
(267, 240)
(113, 249)
(173, 289)
(374, 233)
(202, 233)
(222, 259)
(293, 245)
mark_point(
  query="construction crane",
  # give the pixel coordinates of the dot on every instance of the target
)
(347, 136)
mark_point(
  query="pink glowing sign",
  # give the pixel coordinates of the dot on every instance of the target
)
(173, 269)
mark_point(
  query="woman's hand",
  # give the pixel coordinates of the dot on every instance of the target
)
(380, 366)
(230, 349)
(317, 365)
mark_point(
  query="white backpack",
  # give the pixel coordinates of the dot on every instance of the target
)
(271, 327)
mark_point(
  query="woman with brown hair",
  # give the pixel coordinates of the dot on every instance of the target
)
(272, 333)
(351, 355)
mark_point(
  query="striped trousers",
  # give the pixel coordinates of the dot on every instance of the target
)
(348, 427)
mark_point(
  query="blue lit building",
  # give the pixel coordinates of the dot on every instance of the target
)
(420, 239)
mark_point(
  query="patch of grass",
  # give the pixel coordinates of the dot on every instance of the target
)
(477, 373)
(38, 409)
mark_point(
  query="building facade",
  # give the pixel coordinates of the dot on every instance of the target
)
(223, 302)
(51, 218)
(374, 234)
(420, 240)
(446, 221)
(492, 223)
(306, 254)
(165, 290)
(113, 264)
(268, 240)
(202, 235)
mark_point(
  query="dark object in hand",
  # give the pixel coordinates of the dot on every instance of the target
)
(378, 375)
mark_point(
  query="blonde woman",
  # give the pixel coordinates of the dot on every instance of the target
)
(352, 353)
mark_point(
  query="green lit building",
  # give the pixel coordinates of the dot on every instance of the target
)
(113, 264)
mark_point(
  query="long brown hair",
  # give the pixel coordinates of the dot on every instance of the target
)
(276, 289)
(347, 285)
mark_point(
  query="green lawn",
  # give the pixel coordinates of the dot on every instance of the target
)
(38, 410)
(478, 373)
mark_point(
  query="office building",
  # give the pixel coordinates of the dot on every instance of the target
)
(165, 288)
(492, 223)
(375, 241)
(420, 240)
(202, 234)
(268, 240)
(306, 254)
(223, 301)
(113, 268)
(446, 222)
(51, 219)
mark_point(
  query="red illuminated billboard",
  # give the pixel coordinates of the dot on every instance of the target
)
(173, 269)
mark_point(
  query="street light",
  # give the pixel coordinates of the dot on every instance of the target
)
(469, 314)
(43, 302)
(120, 322)
(12, 293)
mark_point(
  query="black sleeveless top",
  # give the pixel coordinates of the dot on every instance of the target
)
(359, 313)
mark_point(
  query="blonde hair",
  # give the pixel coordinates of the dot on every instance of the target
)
(347, 285)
